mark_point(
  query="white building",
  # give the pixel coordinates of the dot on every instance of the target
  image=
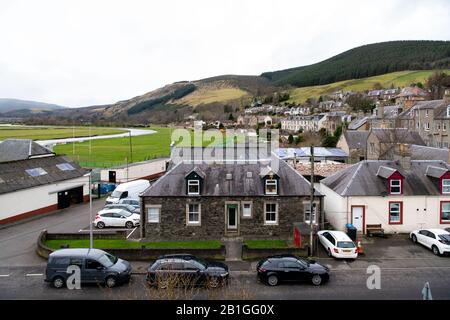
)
(305, 123)
(149, 170)
(34, 181)
(401, 195)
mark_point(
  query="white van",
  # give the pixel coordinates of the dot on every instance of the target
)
(128, 190)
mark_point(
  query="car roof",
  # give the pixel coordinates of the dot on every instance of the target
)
(437, 231)
(109, 210)
(77, 252)
(177, 256)
(338, 235)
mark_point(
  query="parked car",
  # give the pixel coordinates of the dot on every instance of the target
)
(338, 244)
(437, 240)
(187, 270)
(130, 189)
(96, 266)
(116, 218)
(289, 268)
(124, 206)
(132, 202)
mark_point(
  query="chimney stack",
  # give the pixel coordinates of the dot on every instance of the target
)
(447, 96)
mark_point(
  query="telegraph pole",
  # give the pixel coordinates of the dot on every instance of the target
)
(91, 231)
(311, 204)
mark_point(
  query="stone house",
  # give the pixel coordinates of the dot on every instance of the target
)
(216, 200)
(408, 96)
(354, 143)
(384, 144)
(431, 119)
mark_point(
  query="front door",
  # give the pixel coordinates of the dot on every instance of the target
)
(232, 216)
(357, 217)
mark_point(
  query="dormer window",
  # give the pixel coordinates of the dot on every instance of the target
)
(395, 186)
(445, 186)
(271, 186)
(193, 187)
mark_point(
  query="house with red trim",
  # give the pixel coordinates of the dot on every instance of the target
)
(402, 195)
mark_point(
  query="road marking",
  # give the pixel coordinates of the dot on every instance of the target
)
(132, 232)
(34, 274)
(4, 275)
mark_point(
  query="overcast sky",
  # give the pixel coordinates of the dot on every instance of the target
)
(79, 53)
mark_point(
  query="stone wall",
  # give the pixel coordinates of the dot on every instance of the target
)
(173, 226)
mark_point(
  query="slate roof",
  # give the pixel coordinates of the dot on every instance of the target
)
(21, 149)
(398, 135)
(412, 92)
(246, 180)
(13, 176)
(357, 123)
(356, 139)
(361, 179)
(429, 153)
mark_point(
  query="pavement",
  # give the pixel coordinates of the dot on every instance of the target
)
(404, 269)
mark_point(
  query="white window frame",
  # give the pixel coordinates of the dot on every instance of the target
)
(395, 186)
(147, 207)
(243, 203)
(272, 182)
(270, 222)
(199, 212)
(448, 185)
(399, 212)
(427, 126)
(193, 183)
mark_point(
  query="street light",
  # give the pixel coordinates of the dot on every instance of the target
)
(91, 218)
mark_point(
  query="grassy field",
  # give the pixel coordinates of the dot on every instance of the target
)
(397, 79)
(124, 244)
(115, 151)
(210, 95)
(46, 133)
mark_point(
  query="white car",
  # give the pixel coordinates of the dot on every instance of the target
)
(338, 244)
(116, 218)
(437, 240)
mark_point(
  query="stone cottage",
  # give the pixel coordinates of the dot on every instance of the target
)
(216, 200)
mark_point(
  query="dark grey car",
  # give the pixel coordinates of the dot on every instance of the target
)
(96, 266)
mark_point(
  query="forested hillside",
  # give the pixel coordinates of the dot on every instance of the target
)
(366, 61)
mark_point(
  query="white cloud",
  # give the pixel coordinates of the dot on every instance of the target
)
(79, 53)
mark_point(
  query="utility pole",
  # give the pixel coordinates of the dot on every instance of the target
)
(311, 204)
(73, 135)
(91, 231)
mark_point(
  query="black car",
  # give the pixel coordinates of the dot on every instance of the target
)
(186, 270)
(276, 269)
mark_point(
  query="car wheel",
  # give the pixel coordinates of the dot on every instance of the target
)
(435, 250)
(213, 282)
(111, 282)
(329, 253)
(58, 282)
(316, 280)
(129, 225)
(272, 280)
(100, 225)
(414, 238)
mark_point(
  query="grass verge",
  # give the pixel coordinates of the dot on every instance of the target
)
(124, 244)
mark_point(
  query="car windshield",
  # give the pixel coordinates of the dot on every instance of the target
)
(107, 260)
(445, 237)
(204, 263)
(116, 194)
(303, 262)
(125, 213)
(345, 244)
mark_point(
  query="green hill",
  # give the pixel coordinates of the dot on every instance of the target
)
(395, 79)
(366, 61)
